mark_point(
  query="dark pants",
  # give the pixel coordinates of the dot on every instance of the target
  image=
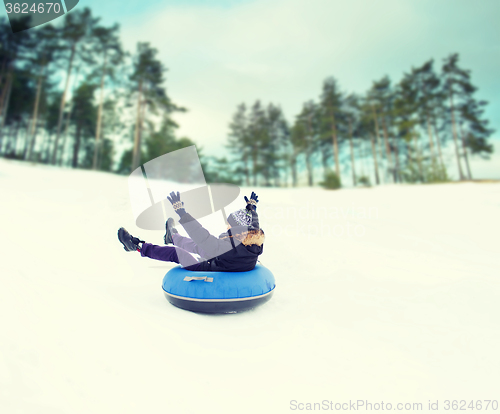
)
(177, 254)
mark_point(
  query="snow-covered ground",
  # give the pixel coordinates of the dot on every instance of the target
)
(384, 294)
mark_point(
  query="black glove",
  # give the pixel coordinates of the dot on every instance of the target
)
(252, 203)
(178, 205)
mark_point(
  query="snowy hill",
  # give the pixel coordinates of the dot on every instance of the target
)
(384, 294)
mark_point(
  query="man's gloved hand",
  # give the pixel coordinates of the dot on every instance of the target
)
(252, 203)
(178, 205)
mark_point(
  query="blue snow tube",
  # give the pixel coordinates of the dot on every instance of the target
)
(218, 292)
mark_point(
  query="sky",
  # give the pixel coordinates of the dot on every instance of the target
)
(220, 53)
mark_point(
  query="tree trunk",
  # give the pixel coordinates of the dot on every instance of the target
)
(254, 159)
(454, 131)
(5, 107)
(47, 148)
(308, 152)
(431, 143)
(144, 108)
(309, 169)
(99, 113)
(26, 142)
(294, 170)
(136, 155)
(32, 143)
(353, 167)
(65, 135)
(438, 142)
(396, 157)
(464, 147)
(63, 103)
(375, 118)
(247, 175)
(2, 70)
(418, 156)
(68, 119)
(375, 163)
(13, 148)
(377, 129)
(5, 92)
(277, 176)
(388, 149)
(363, 154)
(34, 121)
(335, 146)
(76, 148)
(7, 139)
(266, 177)
(324, 162)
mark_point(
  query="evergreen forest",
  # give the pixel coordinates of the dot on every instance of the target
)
(72, 96)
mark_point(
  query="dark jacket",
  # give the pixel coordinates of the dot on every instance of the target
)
(226, 253)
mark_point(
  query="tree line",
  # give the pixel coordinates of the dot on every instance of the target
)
(400, 131)
(70, 95)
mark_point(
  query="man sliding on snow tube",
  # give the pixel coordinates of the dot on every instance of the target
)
(237, 250)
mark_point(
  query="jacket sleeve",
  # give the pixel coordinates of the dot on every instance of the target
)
(255, 218)
(211, 245)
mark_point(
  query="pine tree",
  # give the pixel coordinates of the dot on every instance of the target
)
(148, 78)
(164, 141)
(239, 142)
(330, 106)
(257, 135)
(109, 47)
(475, 131)
(275, 143)
(298, 141)
(76, 34)
(13, 48)
(85, 117)
(23, 89)
(367, 129)
(68, 114)
(457, 86)
(352, 114)
(47, 48)
(406, 121)
(110, 126)
(381, 97)
(307, 131)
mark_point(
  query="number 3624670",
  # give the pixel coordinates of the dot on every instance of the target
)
(23, 8)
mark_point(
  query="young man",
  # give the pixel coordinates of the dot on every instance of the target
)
(236, 250)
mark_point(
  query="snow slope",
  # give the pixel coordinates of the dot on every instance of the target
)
(384, 294)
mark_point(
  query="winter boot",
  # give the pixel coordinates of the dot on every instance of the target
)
(130, 243)
(169, 230)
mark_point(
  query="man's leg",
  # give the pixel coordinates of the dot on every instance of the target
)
(168, 254)
(187, 244)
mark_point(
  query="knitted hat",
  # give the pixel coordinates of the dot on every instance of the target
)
(241, 217)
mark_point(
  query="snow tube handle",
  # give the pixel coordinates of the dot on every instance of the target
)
(204, 278)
